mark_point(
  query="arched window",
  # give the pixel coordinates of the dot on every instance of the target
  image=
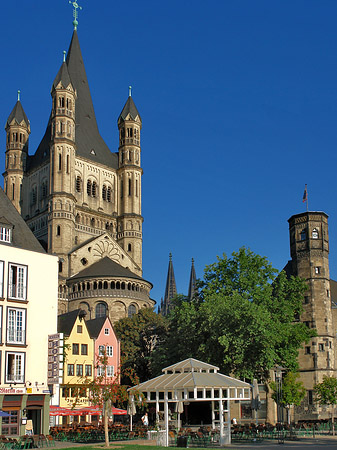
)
(78, 183)
(132, 310)
(303, 235)
(129, 247)
(89, 187)
(104, 192)
(94, 189)
(58, 230)
(130, 186)
(101, 310)
(60, 161)
(315, 234)
(108, 195)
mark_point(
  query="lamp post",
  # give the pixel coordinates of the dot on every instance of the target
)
(279, 399)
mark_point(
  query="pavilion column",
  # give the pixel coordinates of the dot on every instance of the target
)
(166, 417)
(222, 437)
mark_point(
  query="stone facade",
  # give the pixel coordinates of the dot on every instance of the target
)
(82, 201)
(309, 249)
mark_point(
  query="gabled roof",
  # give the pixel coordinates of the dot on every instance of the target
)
(22, 236)
(129, 108)
(95, 326)
(18, 114)
(66, 322)
(103, 268)
(89, 143)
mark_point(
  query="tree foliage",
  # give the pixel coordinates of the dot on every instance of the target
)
(243, 319)
(326, 391)
(293, 391)
(139, 336)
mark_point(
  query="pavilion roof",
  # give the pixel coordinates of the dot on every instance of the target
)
(190, 374)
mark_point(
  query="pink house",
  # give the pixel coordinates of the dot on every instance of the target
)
(105, 342)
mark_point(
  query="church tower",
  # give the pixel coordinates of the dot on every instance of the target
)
(130, 220)
(170, 289)
(62, 165)
(17, 134)
(309, 248)
(192, 287)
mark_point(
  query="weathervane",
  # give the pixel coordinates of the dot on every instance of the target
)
(75, 12)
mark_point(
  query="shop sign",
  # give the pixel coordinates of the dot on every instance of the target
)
(12, 390)
(55, 358)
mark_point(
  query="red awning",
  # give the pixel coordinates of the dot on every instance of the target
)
(88, 410)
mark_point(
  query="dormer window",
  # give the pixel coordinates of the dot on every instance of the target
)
(5, 234)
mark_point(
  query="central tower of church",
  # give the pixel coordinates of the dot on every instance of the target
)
(81, 200)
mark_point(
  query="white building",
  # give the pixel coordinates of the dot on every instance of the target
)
(28, 314)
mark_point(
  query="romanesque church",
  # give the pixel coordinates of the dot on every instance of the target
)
(81, 199)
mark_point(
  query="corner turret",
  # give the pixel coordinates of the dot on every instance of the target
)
(17, 133)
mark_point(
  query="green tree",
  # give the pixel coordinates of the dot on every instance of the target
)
(293, 392)
(244, 319)
(326, 394)
(107, 392)
(140, 335)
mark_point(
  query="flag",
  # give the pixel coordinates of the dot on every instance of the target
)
(305, 195)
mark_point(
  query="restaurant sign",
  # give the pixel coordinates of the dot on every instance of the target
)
(55, 358)
(12, 390)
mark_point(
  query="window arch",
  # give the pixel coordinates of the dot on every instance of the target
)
(101, 310)
(78, 184)
(132, 309)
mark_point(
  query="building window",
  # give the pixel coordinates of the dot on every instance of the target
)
(94, 189)
(58, 230)
(76, 349)
(106, 331)
(79, 329)
(108, 195)
(303, 235)
(79, 370)
(100, 371)
(109, 350)
(15, 367)
(321, 347)
(132, 310)
(130, 186)
(84, 349)
(307, 350)
(17, 281)
(16, 326)
(1, 279)
(89, 187)
(78, 184)
(60, 156)
(101, 310)
(129, 247)
(10, 425)
(110, 371)
(310, 398)
(71, 371)
(306, 299)
(317, 270)
(88, 370)
(314, 233)
(101, 350)
(104, 192)
(60, 266)
(5, 234)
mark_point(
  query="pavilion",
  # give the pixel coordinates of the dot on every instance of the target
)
(195, 381)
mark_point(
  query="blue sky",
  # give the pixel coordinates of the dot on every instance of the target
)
(239, 106)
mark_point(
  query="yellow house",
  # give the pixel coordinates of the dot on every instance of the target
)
(78, 361)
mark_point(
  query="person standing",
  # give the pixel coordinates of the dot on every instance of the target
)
(145, 420)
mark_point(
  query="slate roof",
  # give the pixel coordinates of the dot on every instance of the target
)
(63, 76)
(66, 322)
(95, 326)
(103, 268)
(18, 114)
(22, 236)
(129, 108)
(89, 143)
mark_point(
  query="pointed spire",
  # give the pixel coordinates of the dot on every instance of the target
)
(18, 114)
(62, 75)
(171, 289)
(129, 108)
(192, 288)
